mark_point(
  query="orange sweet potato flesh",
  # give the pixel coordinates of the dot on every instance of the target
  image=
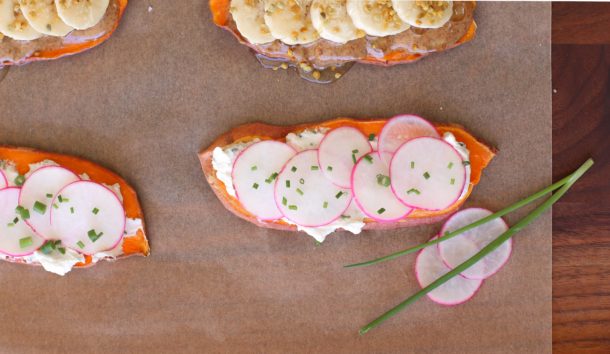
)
(23, 157)
(220, 15)
(480, 156)
(71, 48)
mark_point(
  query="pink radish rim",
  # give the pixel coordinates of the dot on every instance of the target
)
(449, 304)
(233, 171)
(3, 178)
(358, 202)
(443, 229)
(324, 138)
(385, 127)
(26, 181)
(280, 209)
(118, 200)
(453, 149)
(35, 234)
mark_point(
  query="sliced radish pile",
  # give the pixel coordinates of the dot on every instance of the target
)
(401, 129)
(427, 173)
(460, 248)
(339, 151)
(305, 196)
(3, 180)
(90, 218)
(37, 194)
(372, 191)
(254, 174)
(429, 266)
(16, 237)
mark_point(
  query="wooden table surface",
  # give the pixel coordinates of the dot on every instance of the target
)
(581, 220)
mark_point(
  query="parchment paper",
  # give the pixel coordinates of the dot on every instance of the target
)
(164, 86)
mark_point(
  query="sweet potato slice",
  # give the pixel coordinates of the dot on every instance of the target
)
(480, 157)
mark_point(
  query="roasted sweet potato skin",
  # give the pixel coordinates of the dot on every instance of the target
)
(480, 156)
(23, 157)
(69, 48)
(221, 17)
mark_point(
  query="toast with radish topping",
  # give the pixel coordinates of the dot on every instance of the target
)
(345, 173)
(61, 212)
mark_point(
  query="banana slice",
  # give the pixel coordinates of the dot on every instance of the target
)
(81, 14)
(13, 24)
(42, 16)
(289, 21)
(375, 17)
(330, 19)
(424, 14)
(250, 20)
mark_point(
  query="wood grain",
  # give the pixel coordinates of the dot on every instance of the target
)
(581, 23)
(581, 220)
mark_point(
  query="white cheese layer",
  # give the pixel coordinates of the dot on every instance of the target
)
(222, 161)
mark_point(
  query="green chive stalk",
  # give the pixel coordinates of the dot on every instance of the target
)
(486, 250)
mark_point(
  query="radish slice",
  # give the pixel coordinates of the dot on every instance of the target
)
(16, 237)
(254, 173)
(401, 129)
(305, 196)
(3, 180)
(90, 218)
(372, 191)
(37, 194)
(458, 249)
(429, 266)
(338, 153)
(427, 173)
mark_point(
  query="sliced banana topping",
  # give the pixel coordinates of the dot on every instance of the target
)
(424, 14)
(42, 16)
(289, 21)
(375, 17)
(81, 14)
(250, 20)
(13, 24)
(330, 19)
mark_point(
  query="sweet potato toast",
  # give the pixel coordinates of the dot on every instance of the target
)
(56, 47)
(480, 156)
(134, 244)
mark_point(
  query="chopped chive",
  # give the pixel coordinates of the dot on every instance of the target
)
(284, 201)
(412, 164)
(339, 194)
(55, 244)
(466, 163)
(62, 250)
(369, 158)
(293, 169)
(49, 195)
(371, 137)
(23, 212)
(95, 211)
(426, 175)
(55, 206)
(329, 168)
(292, 207)
(287, 183)
(315, 168)
(452, 181)
(300, 191)
(345, 217)
(39, 207)
(25, 242)
(48, 247)
(381, 211)
(71, 210)
(80, 244)
(272, 177)
(15, 220)
(19, 180)
(10, 224)
(93, 236)
(413, 190)
(354, 158)
(302, 181)
(253, 168)
(383, 180)
(355, 151)
(450, 165)
(62, 199)
(255, 185)
(325, 205)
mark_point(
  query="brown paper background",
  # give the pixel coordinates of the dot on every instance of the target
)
(164, 86)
